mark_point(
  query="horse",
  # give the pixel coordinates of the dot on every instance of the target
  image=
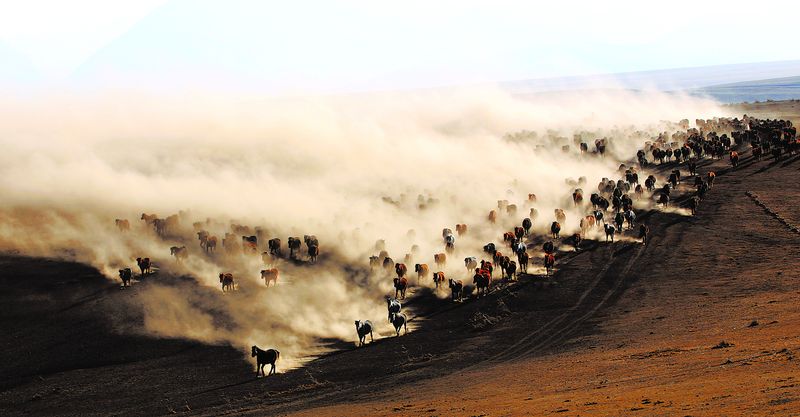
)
(180, 253)
(598, 217)
(519, 232)
(487, 266)
(630, 217)
(438, 278)
(421, 270)
(310, 240)
(270, 275)
(561, 216)
(393, 306)
(211, 243)
(710, 179)
(374, 262)
(663, 199)
(160, 226)
(511, 209)
(549, 262)
(482, 282)
(400, 285)
(264, 357)
(364, 328)
(498, 256)
(274, 246)
(735, 159)
(313, 252)
(692, 168)
(576, 241)
(527, 224)
(511, 269)
(757, 153)
(522, 258)
(619, 219)
(577, 197)
(643, 232)
(399, 321)
(470, 263)
(144, 265)
(125, 275)
(693, 203)
(440, 259)
(226, 279)
(294, 244)
(400, 269)
(249, 244)
(548, 247)
(123, 225)
(492, 216)
(456, 289)
(555, 229)
(489, 248)
(461, 229)
(609, 232)
(149, 218)
(586, 224)
(388, 263)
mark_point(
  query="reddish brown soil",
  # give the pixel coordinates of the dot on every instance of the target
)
(622, 329)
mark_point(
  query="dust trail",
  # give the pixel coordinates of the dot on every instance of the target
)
(350, 170)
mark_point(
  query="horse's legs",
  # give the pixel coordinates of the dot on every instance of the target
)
(372, 339)
(405, 326)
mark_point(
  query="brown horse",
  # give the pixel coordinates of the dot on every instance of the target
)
(421, 270)
(123, 225)
(400, 285)
(401, 269)
(144, 265)
(482, 281)
(492, 216)
(549, 262)
(440, 259)
(226, 279)
(555, 229)
(438, 278)
(270, 275)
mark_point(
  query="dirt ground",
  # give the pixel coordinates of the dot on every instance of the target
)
(701, 321)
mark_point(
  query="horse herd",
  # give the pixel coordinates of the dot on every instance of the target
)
(610, 207)
(169, 227)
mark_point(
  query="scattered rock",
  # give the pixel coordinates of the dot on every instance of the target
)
(727, 361)
(480, 321)
(36, 397)
(722, 345)
(753, 323)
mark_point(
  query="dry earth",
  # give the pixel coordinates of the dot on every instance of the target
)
(702, 321)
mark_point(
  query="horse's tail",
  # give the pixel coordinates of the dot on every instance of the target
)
(277, 354)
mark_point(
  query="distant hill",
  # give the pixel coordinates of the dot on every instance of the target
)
(786, 88)
(677, 79)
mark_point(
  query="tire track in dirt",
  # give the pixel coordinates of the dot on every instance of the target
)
(753, 196)
(541, 338)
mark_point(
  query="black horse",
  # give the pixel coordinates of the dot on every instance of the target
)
(263, 357)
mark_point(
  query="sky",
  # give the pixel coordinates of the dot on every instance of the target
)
(353, 45)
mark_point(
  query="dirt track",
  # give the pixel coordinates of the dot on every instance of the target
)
(622, 329)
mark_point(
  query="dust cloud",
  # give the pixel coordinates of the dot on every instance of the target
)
(348, 169)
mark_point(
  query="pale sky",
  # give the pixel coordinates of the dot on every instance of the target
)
(357, 45)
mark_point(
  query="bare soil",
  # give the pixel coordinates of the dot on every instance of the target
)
(701, 321)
